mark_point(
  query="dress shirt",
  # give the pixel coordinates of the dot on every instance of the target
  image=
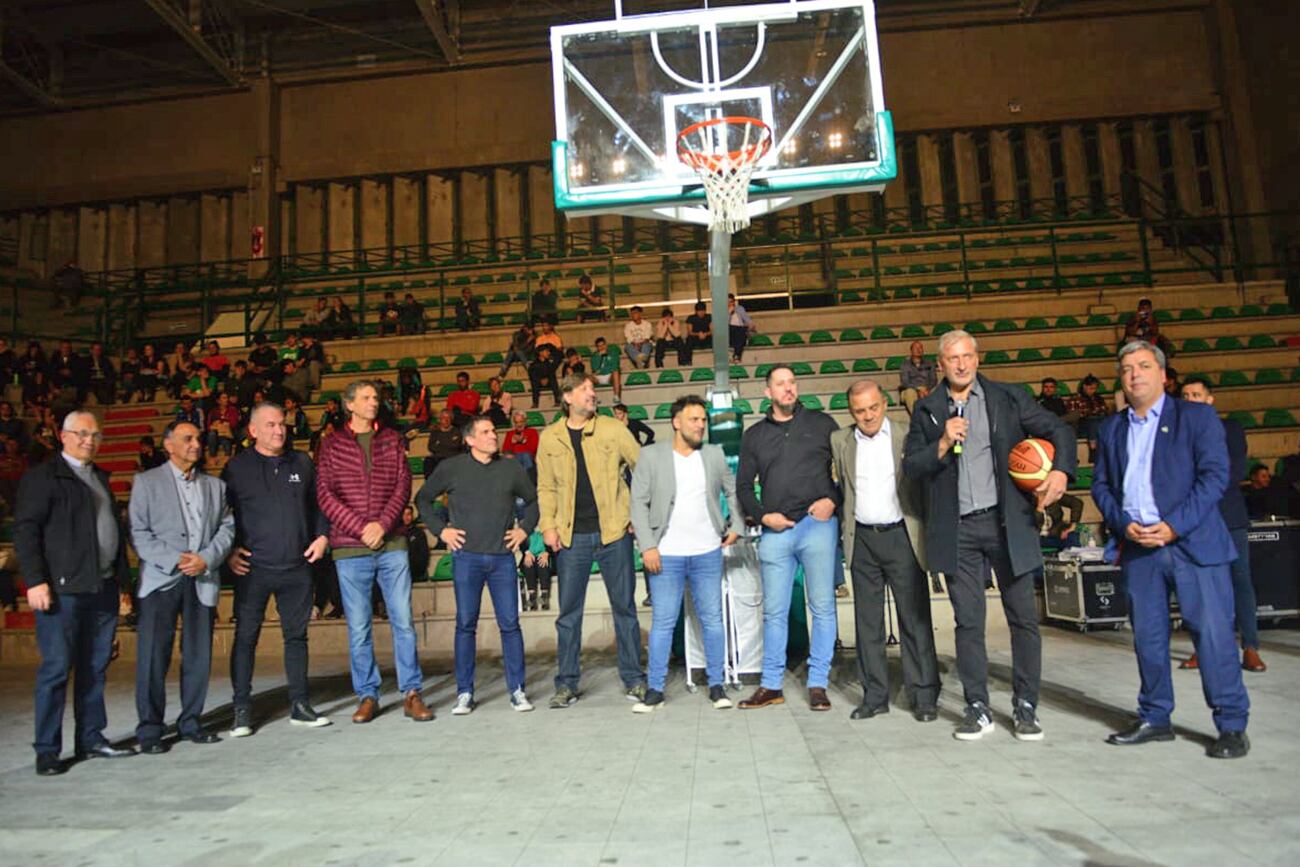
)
(192, 507)
(976, 486)
(1139, 496)
(876, 501)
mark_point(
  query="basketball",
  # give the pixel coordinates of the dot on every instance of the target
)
(1030, 462)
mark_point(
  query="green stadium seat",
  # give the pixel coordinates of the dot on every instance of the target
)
(463, 360)
(801, 368)
(1295, 374)
(791, 338)
(894, 362)
(812, 401)
(492, 358)
(976, 328)
(1232, 379)
(447, 389)
(834, 365)
(378, 365)
(996, 356)
(762, 370)
(839, 401)
(760, 340)
(764, 405)
(737, 371)
(670, 377)
(1096, 350)
(513, 386)
(637, 412)
(1245, 419)
(1003, 325)
(664, 411)
(1274, 309)
(1063, 353)
(1268, 376)
(1227, 344)
(1223, 313)
(1097, 320)
(1029, 354)
(883, 332)
(1067, 322)
(942, 328)
(536, 419)
(416, 465)
(1196, 344)
(1034, 323)
(637, 377)
(849, 335)
(1279, 418)
(702, 374)
(1191, 314)
(407, 362)
(350, 367)
(911, 332)
(869, 365)
(1261, 341)
(821, 337)
(742, 405)
(902, 293)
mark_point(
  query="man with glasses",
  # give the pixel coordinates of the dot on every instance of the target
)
(73, 560)
(483, 536)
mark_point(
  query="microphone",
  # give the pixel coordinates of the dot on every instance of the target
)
(960, 406)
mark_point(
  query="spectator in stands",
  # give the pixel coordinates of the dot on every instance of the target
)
(68, 283)
(668, 335)
(341, 325)
(549, 337)
(412, 316)
(1056, 531)
(331, 415)
(200, 387)
(1050, 400)
(216, 361)
(468, 313)
(11, 425)
(129, 374)
(101, 377)
(520, 349)
(390, 316)
(32, 361)
(444, 442)
(537, 569)
(66, 374)
(521, 441)
(409, 388)
(1232, 506)
(542, 370)
(546, 302)
(699, 332)
(181, 363)
(75, 619)
(1267, 497)
(417, 544)
(149, 456)
(182, 529)
(496, 404)
(739, 327)
(464, 401)
(295, 420)
(1142, 325)
(1173, 385)
(638, 339)
(45, 438)
(296, 381)
(6, 362)
(916, 376)
(483, 536)
(363, 482)
(153, 373)
(263, 357)
(641, 432)
(316, 321)
(584, 515)
(591, 301)
(188, 413)
(223, 422)
(291, 351)
(241, 385)
(604, 366)
(312, 358)
(37, 395)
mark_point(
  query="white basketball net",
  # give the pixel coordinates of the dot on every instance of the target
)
(725, 172)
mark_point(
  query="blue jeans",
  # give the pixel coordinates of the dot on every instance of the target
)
(704, 572)
(811, 544)
(357, 577)
(1243, 590)
(75, 634)
(639, 354)
(469, 572)
(573, 571)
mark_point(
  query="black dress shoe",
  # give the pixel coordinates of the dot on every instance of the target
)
(154, 748)
(1141, 733)
(864, 712)
(105, 751)
(50, 765)
(925, 714)
(201, 737)
(1230, 745)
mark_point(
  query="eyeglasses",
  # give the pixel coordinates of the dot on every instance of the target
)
(94, 436)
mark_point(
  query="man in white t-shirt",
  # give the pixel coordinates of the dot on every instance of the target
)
(638, 339)
(677, 489)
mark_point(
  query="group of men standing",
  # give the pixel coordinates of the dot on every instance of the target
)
(894, 504)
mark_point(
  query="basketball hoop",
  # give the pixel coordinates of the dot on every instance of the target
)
(725, 172)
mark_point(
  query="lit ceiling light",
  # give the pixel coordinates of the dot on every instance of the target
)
(618, 166)
(791, 148)
(835, 140)
(577, 170)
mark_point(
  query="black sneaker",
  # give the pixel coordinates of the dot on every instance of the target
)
(636, 692)
(718, 697)
(977, 723)
(242, 727)
(1026, 722)
(651, 702)
(304, 715)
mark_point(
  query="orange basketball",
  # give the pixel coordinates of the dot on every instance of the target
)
(1029, 463)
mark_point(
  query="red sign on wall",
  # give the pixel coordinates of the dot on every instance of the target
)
(258, 245)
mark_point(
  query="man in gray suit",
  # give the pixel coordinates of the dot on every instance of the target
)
(677, 517)
(881, 529)
(182, 528)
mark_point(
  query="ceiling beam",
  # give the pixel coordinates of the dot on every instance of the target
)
(431, 11)
(181, 24)
(29, 87)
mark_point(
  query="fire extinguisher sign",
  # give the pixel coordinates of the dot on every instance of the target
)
(258, 242)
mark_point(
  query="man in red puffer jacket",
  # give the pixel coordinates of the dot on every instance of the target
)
(362, 485)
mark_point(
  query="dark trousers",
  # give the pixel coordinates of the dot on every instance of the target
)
(881, 557)
(662, 347)
(538, 576)
(1205, 604)
(156, 632)
(737, 337)
(573, 571)
(543, 376)
(325, 583)
(981, 544)
(293, 598)
(689, 344)
(75, 634)
(1243, 590)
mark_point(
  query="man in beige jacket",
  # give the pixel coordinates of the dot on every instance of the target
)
(582, 494)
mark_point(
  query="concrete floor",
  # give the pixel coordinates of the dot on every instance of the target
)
(598, 785)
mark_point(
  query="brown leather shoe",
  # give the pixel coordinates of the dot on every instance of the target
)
(762, 697)
(415, 708)
(818, 699)
(366, 711)
(1250, 660)
(1189, 662)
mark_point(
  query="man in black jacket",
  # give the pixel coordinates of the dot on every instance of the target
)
(279, 533)
(73, 559)
(976, 519)
(789, 451)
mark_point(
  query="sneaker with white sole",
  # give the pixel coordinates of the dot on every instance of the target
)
(305, 715)
(977, 723)
(464, 704)
(520, 702)
(636, 692)
(243, 725)
(1026, 726)
(718, 697)
(653, 701)
(564, 697)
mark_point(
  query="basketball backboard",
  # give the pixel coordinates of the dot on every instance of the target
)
(625, 88)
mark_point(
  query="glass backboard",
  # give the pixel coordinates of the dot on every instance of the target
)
(625, 88)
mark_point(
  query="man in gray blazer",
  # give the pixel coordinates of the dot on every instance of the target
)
(881, 529)
(182, 529)
(677, 489)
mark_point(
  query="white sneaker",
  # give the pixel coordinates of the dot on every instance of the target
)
(519, 701)
(464, 704)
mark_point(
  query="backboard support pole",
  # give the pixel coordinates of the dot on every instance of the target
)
(719, 287)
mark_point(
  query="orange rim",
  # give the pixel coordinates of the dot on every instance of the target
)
(750, 153)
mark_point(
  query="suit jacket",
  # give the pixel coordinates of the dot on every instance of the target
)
(160, 536)
(1189, 470)
(844, 454)
(1013, 415)
(654, 493)
(1233, 505)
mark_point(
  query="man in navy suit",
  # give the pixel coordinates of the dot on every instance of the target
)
(1171, 535)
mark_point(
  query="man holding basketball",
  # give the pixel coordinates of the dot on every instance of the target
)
(977, 520)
